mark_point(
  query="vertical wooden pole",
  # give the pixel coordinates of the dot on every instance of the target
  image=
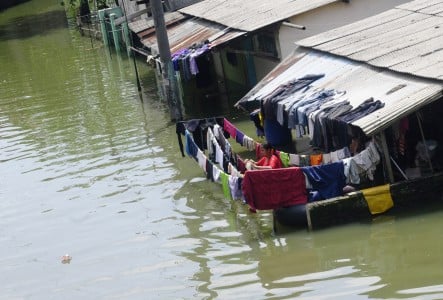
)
(115, 35)
(169, 81)
(424, 143)
(386, 156)
(101, 16)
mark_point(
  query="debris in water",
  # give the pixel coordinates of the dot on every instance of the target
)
(66, 259)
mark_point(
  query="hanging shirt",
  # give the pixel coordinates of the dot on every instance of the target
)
(329, 180)
(234, 187)
(216, 173)
(229, 128)
(294, 159)
(284, 158)
(201, 158)
(239, 137)
(316, 159)
(219, 156)
(225, 185)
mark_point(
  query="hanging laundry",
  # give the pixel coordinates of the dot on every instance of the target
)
(229, 128)
(378, 198)
(191, 147)
(275, 188)
(367, 160)
(234, 187)
(329, 180)
(239, 136)
(284, 158)
(294, 159)
(225, 185)
(201, 158)
(216, 173)
(188, 58)
(316, 159)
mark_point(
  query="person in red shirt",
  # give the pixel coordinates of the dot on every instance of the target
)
(268, 161)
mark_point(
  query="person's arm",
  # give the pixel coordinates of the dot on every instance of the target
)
(261, 167)
(262, 164)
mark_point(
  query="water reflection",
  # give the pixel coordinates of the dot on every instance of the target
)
(24, 27)
(238, 253)
(91, 169)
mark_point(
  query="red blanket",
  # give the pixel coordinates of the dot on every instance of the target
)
(270, 189)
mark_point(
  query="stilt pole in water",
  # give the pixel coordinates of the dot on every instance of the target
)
(169, 81)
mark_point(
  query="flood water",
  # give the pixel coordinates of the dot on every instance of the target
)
(91, 168)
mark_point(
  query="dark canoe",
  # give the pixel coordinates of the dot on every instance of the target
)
(410, 196)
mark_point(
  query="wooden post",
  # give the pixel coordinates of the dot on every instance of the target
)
(115, 35)
(169, 81)
(424, 143)
(101, 17)
(386, 157)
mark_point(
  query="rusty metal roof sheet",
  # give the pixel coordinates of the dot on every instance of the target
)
(406, 39)
(250, 15)
(145, 24)
(193, 31)
(401, 94)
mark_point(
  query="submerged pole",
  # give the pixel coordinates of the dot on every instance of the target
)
(129, 49)
(115, 33)
(101, 17)
(169, 83)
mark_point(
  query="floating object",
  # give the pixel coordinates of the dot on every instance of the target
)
(66, 259)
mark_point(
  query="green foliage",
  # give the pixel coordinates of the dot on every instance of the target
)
(82, 7)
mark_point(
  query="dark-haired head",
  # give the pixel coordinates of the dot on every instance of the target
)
(267, 146)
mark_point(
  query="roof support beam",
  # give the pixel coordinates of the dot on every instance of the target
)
(301, 27)
(386, 157)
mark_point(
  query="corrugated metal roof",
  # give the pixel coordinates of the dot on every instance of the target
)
(250, 15)
(407, 39)
(146, 24)
(401, 94)
(193, 31)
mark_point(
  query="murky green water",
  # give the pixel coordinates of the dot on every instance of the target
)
(89, 169)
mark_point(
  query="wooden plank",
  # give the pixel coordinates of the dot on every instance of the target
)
(417, 193)
(350, 208)
(407, 196)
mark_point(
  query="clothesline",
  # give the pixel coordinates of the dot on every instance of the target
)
(222, 166)
(361, 164)
(186, 59)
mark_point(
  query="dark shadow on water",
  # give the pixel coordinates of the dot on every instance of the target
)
(4, 4)
(32, 25)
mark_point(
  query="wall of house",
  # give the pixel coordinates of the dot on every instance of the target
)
(130, 6)
(169, 5)
(177, 4)
(263, 66)
(320, 20)
(235, 70)
(331, 16)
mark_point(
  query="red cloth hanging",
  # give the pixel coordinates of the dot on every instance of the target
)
(275, 188)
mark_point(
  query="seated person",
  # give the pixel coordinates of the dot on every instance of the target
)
(268, 160)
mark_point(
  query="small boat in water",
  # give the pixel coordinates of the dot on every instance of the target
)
(351, 149)
(307, 192)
